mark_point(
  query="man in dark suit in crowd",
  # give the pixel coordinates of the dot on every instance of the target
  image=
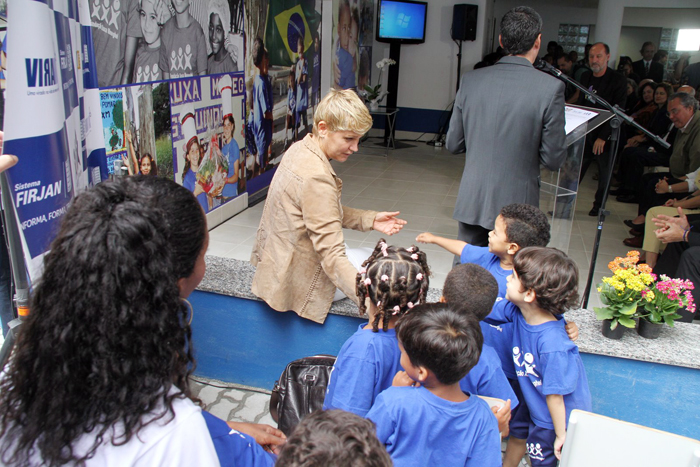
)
(611, 86)
(646, 68)
(507, 118)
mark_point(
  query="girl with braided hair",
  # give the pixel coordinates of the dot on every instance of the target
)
(393, 280)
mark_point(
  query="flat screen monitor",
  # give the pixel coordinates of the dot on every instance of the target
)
(401, 21)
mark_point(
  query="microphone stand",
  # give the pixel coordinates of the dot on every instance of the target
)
(618, 116)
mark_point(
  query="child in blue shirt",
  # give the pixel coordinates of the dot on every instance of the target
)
(302, 86)
(553, 381)
(425, 418)
(262, 103)
(369, 360)
(291, 105)
(517, 226)
(471, 290)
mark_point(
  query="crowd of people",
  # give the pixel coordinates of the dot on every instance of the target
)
(656, 169)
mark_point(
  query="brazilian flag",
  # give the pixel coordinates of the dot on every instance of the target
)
(287, 20)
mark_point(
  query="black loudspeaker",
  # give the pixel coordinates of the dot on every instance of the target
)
(464, 22)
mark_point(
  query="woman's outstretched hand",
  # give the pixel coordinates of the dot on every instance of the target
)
(387, 223)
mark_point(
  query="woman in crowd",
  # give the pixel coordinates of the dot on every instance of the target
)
(645, 108)
(299, 251)
(100, 372)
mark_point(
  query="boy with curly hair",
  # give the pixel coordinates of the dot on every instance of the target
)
(553, 381)
(517, 226)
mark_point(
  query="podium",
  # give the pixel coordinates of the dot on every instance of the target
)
(559, 188)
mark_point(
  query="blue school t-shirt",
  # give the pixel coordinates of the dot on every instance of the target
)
(483, 257)
(232, 152)
(366, 365)
(499, 337)
(419, 428)
(235, 449)
(487, 378)
(547, 362)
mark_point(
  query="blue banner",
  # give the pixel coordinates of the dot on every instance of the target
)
(55, 128)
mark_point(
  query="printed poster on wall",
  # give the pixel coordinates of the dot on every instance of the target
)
(52, 127)
(207, 115)
(283, 80)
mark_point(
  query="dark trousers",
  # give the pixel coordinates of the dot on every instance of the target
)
(633, 162)
(647, 195)
(604, 161)
(473, 234)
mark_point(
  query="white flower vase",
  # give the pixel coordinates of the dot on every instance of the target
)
(374, 105)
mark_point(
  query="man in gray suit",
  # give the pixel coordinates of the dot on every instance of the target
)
(508, 118)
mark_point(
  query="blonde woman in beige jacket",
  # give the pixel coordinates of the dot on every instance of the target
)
(299, 250)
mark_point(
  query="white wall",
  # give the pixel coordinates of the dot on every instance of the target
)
(632, 38)
(552, 15)
(676, 18)
(428, 73)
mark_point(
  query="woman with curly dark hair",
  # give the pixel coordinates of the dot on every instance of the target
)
(100, 372)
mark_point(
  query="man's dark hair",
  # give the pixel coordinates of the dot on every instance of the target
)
(647, 43)
(526, 225)
(334, 437)
(438, 338)
(520, 28)
(551, 274)
(471, 290)
(686, 100)
(564, 56)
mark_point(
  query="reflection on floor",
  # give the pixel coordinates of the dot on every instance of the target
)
(422, 182)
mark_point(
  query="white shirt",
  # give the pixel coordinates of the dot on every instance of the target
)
(173, 442)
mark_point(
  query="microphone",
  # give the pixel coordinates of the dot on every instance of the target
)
(546, 67)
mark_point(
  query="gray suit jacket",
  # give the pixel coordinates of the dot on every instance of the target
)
(508, 118)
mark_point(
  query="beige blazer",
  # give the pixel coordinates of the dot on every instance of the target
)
(299, 250)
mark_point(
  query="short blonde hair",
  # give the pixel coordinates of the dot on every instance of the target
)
(343, 111)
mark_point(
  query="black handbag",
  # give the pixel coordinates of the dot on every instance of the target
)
(300, 390)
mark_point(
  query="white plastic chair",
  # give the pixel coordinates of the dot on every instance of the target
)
(595, 440)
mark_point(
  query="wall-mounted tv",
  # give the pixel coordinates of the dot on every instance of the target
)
(401, 21)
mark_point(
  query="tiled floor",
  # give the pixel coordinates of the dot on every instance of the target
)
(422, 182)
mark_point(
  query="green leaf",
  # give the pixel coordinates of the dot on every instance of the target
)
(613, 324)
(669, 319)
(603, 313)
(368, 88)
(629, 309)
(626, 322)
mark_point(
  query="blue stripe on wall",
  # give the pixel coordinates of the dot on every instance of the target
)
(246, 342)
(418, 120)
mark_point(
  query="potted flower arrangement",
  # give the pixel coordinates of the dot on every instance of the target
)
(622, 292)
(660, 305)
(374, 95)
